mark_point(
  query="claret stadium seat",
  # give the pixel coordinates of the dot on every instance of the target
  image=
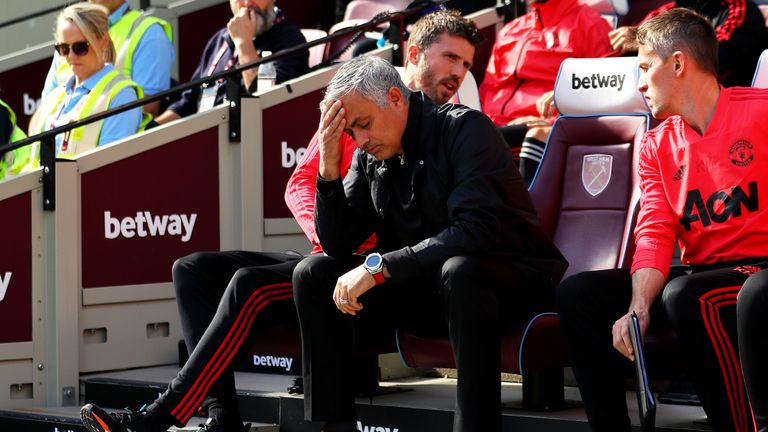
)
(610, 10)
(367, 9)
(760, 79)
(316, 52)
(586, 192)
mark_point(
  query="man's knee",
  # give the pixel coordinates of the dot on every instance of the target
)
(588, 291)
(679, 298)
(753, 296)
(244, 282)
(455, 274)
(570, 292)
(314, 270)
(182, 270)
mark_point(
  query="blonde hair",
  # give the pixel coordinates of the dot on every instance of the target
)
(93, 22)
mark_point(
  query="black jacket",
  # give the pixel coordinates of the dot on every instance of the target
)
(457, 192)
(282, 35)
(742, 36)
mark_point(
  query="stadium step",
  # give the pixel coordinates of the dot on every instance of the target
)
(265, 402)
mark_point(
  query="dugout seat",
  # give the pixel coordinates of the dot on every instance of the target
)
(316, 52)
(760, 80)
(367, 9)
(610, 10)
(586, 193)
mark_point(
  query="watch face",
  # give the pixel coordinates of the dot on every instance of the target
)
(373, 261)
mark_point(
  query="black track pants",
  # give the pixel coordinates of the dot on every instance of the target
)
(701, 306)
(467, 293)
(752, 316)
(221, 297)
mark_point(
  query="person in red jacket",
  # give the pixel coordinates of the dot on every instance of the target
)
(224, 296)
(740, 29)
(523, 66)
(703, 181)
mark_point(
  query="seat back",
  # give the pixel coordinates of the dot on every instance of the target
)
(334, 45)
(316, 52)
(610, 10)
(468, 94)
(367, 9)
(586, 189)
(763, 6)
(760, 80)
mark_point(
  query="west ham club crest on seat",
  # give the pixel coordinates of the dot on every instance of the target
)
(596, 172)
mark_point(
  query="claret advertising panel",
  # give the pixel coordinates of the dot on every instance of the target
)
(16, 269)
(288, 127)
(141, 213)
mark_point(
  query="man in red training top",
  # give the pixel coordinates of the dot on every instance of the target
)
(523, 66)
(704, 177)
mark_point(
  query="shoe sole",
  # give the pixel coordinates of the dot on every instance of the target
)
(96, 419)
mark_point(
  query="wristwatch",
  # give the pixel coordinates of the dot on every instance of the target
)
(374, 263)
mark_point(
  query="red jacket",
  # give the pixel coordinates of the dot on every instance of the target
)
(300, 191)
(708, 191)
(528, 51)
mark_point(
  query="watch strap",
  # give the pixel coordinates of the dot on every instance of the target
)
(379, 276)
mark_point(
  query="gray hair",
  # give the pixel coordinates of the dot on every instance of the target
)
(368, 75)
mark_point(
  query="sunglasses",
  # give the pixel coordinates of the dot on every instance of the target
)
(79, 48)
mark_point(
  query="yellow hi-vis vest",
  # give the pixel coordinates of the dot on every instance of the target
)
(86, 137)
(13, 161)
(125, 34)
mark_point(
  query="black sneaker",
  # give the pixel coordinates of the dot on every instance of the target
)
(96, 419)
(213, 425)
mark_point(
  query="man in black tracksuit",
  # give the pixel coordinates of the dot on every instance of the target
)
(456, 228)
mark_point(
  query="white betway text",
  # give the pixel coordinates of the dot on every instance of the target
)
(282, 362)
(146, 224)
(363, 428)
(5, 280)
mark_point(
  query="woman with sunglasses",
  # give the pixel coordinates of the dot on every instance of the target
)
(82, 38)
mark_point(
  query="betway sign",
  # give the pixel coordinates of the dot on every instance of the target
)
(273, 361)
(146, 224)
(4, 282)
(364, 428)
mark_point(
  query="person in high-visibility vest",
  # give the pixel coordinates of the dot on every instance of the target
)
(143, 47)
(82, 38)
(13, 161)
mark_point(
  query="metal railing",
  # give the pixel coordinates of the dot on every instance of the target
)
(233, 92)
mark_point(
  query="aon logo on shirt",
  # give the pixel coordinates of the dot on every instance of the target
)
(719, 206)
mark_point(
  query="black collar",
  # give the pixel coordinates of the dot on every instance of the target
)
(412, 132)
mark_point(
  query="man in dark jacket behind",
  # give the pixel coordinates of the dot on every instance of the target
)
(458, 239)
(739, 27)
(256, 26)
